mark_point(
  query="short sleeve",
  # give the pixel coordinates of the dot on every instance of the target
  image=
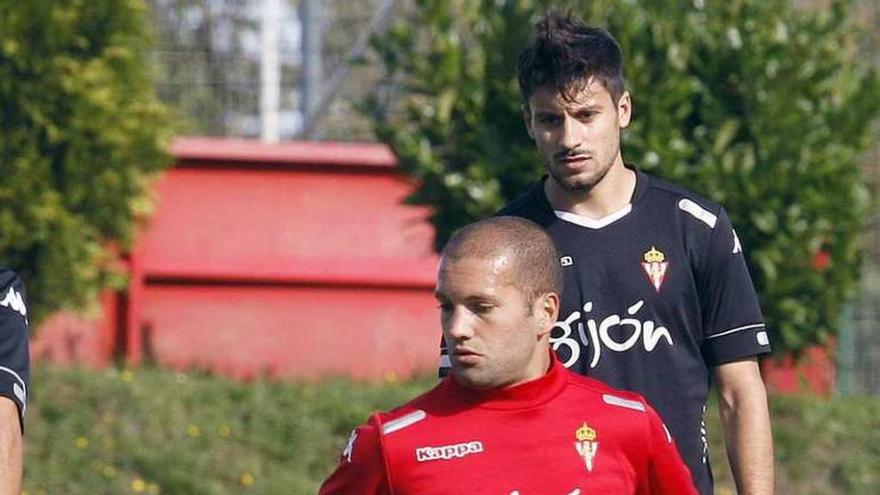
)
(733, 325)
(14, 358)
(667, 473)
(361, 468)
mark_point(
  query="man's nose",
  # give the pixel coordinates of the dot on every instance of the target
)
(459, 324)
(570, 137)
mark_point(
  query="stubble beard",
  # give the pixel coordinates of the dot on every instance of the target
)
(473, 377)
(488, 376)
(578, 184)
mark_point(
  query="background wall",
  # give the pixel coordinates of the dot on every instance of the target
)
(296, 259)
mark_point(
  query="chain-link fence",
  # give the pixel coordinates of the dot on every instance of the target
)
(858, 356)
(858, 353)
(207, 65)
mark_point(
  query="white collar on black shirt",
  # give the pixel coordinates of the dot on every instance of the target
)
(591, 223)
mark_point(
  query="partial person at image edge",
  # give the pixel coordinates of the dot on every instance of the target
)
(14, 378)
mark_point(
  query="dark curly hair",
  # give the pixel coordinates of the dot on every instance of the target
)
(565, 53)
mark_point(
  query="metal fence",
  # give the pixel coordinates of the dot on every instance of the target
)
(858, 356)
(207, 65)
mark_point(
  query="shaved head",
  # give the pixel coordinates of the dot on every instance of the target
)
(532, 257)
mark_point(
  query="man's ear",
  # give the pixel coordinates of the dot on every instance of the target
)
(527, 118)
(547, 307)
(624, 110)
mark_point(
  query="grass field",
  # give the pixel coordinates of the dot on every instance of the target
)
(154, 431)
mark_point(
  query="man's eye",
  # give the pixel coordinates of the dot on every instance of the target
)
(479, 309)
(586, 116)
(549, 120)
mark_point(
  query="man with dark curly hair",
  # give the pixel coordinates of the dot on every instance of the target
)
(657, 297)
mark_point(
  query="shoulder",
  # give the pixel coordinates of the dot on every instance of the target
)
(613, 400)
(361, 467)
(526, 201)
(8, 278)
(685, 200)
(363, 458)
(414, 412)
(531, 205)
(695, 217)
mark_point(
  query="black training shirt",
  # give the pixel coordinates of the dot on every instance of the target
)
(14, 359)
(655, 296)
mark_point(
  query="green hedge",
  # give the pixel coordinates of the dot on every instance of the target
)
(753, 103)
(154, 431)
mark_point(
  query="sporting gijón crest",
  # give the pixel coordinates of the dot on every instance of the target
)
(655, 265)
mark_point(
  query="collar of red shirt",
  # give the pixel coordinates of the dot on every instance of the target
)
(523, 396)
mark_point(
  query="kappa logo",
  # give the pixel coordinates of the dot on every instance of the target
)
(446, 452)
(14, 301)
(349, 447)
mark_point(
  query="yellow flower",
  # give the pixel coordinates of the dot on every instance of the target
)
(108, 471)
(247, 479)
(390, 377)
(193, 431)
(138, 485)
(82, 442)
(127, 376)
(225, 431)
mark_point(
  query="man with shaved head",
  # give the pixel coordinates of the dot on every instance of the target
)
(509, 419)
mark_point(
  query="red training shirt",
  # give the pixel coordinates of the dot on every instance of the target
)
(560, 434)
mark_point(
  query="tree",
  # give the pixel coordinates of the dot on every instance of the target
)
(82, 136)
(753, 103)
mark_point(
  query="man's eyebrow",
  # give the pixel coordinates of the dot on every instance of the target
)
(548, 111)
(572, 109)
(481, 298)
(478, 298)
(586, 107)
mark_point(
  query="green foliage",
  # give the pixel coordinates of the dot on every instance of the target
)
(82, 135)
(812, 438)
(155, 431)
(752, 103)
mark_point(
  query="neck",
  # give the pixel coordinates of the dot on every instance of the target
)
(538, 367)
(612, 193)
(524, 395)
